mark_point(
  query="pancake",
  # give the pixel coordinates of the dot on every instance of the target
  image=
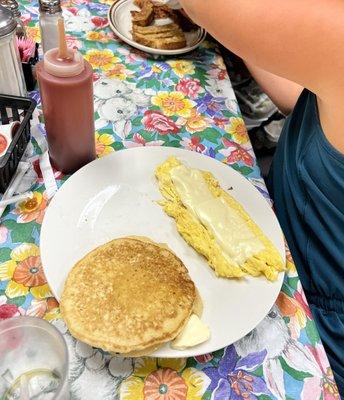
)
(128, 296)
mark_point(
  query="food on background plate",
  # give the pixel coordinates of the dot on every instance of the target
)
(161, 39)
(168, 36)
(215, 224)
(145, 16)
(130, 296)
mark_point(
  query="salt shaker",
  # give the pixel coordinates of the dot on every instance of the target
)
(13, 6)
(11, 72)
(50, 12)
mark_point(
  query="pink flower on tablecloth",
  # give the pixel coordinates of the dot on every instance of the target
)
(322, 385)
(205, 358)
(100, 22)
(221, 122)
(3, 234)
(218, 73)
(157, 121)
(139, 141)
(72, 10)
(26, 18)
(235, 153)
(194, 144)
(240, 155)
(73, 42)
(190, 87)
(9, 310)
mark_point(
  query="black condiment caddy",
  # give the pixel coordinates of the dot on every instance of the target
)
(20, 109)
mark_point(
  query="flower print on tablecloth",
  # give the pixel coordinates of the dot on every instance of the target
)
(103, 59)
(152, 71)
(117, 102)
(321, 386)
(119, 71)
(24, 272)
(212, 106)
(32, 209)
(173, 104)
(237, 130)
(33, 33)
(190, 87)
(194, 144)
(233, 377)
(99, 36)
(81, 20)
(164, 379)
(236, 154)
(182, 67)
(156, 121)
(139, 141)
(195, 122)
(9, 310)
(103, 144)
(285, 356)
(44, 308)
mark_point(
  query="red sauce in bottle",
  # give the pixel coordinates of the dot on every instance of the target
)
(66, 88)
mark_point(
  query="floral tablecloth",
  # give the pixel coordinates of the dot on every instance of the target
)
(185, 102)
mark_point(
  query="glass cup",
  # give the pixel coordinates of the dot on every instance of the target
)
(33, 360)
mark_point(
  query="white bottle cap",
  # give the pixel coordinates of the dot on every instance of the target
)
(63, 67)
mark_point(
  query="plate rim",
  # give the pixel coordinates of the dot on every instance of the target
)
(188, 352)
(201, 37)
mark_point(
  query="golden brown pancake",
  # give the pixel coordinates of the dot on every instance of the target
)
(128, 296)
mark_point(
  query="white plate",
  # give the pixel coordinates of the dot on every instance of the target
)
(120, 22)
(115, 196)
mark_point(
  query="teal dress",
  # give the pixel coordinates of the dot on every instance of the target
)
(307, 185)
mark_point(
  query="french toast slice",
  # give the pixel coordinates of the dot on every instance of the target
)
(174, 42)
(155, 29)
(145, 16)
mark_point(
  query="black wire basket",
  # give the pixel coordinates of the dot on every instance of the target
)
(20, 109)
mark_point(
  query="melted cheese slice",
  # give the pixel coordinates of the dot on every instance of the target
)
(194, 333)
(230, 230)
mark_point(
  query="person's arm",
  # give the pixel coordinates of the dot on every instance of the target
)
(282, 92)
(300, 40)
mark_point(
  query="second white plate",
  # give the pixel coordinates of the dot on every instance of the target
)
(120, 22)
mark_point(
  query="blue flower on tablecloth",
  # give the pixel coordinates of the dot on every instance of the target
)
(99, 8)
(153, 70)
(210, 105)
(233, 380)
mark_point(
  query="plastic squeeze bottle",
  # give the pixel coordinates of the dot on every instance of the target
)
(66, 87)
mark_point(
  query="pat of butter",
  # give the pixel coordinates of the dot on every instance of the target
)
(194, 333)
(230, 230)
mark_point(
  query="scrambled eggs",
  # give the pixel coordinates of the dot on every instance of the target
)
(215, 224)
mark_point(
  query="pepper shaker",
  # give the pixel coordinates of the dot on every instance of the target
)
(11, 72)
(50, 12)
